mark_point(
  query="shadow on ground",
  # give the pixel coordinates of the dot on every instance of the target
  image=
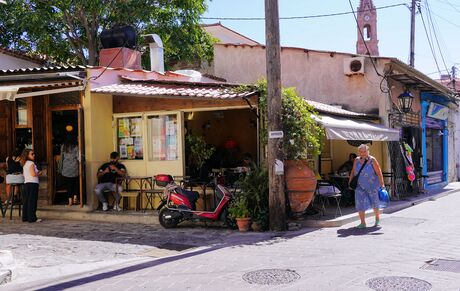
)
(353, 231)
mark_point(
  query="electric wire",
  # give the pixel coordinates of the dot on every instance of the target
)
(111, 61)
(430, 20)
(429, 40)
(300, 17)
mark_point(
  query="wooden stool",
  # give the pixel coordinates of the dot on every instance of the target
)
(14, 199)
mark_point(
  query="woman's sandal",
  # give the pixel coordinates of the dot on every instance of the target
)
(377, 223)
(361, 225)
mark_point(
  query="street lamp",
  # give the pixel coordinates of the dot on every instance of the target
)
(405, 101)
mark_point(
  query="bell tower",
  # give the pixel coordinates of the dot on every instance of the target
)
(367, 24)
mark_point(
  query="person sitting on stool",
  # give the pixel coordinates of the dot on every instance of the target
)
(107, 176)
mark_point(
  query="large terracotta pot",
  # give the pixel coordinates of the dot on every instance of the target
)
(300, 184)
(243, 223)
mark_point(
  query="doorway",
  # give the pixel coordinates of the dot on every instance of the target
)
(65, 126)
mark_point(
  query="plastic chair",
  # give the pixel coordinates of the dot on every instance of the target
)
(326, 191)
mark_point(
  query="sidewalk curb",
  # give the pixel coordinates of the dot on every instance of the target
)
(340, 221)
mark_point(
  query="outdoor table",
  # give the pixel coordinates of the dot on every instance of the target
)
(341, 181)
(143, 183)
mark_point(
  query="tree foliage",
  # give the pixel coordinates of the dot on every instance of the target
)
(68, 30)
(302, 134)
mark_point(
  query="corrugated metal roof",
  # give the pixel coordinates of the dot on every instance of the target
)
(329, 109)
(174, 90)
(42, 70)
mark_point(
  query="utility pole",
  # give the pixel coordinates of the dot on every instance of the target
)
(412, 34)
(277, 205)
(454, 77)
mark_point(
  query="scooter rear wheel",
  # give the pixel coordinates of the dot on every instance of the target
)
(166, 218)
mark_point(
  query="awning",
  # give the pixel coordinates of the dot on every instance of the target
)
(11, 92)
(348, 129)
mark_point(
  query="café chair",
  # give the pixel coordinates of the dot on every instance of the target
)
(326, 191)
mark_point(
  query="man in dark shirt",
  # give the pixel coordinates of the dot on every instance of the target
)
(107, 175)
(348, 165)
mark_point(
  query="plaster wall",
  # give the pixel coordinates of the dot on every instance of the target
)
(225, 35)
(98, 136)
(341, 150)
(318, 76)
(8, 62)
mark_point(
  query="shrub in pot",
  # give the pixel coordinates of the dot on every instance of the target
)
(199, 152)
(239, 211)
(301, 140)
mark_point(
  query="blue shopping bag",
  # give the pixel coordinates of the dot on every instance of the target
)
(384, 198)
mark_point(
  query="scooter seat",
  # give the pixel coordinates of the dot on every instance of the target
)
(192, 196)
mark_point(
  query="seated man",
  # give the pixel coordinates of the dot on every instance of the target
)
(107, 175)
(348, 165)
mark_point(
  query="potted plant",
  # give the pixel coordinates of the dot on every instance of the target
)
(199, 152)
(302, 139)
(254, 187)
(239, 211)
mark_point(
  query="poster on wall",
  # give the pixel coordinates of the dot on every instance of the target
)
(123, 127)
(138, 151)
(136, 127)
(123, 151)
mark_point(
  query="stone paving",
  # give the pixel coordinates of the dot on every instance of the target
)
(342, 258)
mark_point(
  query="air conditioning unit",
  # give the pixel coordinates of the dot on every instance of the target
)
(353, 66)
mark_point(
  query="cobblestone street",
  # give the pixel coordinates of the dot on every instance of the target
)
(56, 255)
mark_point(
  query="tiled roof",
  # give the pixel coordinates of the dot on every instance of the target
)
(328, 109)
(42, 70)
(22, 55)
(174, 90)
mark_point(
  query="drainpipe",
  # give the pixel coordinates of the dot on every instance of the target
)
(156, 52)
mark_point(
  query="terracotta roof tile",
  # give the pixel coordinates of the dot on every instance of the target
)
(23, 55)
(185, 90)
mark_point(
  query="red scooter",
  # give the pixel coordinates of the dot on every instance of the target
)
(179, 204)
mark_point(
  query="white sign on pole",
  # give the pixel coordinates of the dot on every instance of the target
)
(275, 134)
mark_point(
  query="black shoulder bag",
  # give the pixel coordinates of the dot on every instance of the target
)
(354, 181)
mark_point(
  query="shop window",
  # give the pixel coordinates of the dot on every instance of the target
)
(21, 112)
(129, 138)
(163, 132)
(434, 151)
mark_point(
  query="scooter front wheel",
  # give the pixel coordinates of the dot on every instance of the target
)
(168, 218)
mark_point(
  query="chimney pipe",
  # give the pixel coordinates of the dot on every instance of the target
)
(156, 52)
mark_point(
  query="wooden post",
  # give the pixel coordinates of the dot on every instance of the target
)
(276, 182)
(412, 34)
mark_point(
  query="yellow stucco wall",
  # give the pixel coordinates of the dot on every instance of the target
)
(341, 150)
(98, 137)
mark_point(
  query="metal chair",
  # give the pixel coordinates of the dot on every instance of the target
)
(326, 191)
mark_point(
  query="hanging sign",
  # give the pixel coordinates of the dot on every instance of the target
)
(438, 111)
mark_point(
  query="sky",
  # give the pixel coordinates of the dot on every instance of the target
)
(339, 33)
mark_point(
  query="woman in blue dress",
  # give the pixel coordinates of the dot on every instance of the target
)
(369, 182)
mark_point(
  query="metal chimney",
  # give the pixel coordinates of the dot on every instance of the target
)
(156, 52)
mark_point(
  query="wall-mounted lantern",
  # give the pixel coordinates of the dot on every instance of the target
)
(405, 101)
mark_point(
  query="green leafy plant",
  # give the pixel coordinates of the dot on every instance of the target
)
(239, 208)
(254, 188)
(200, 152)
(302, 134)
